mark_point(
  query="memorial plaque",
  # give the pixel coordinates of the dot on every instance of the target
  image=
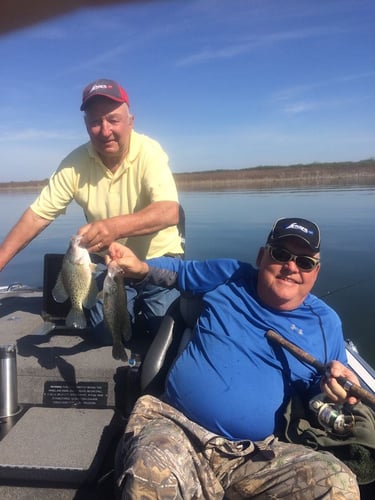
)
(83, 394)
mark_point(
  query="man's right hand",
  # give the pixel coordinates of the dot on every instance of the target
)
(332, 389)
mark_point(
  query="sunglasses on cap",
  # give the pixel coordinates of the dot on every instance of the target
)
(282, 256)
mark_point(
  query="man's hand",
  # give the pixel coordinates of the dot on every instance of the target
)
(98, 235)
(333, 390)
(156, 216)
(127, 260)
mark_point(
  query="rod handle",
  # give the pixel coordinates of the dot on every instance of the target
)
(351, 388)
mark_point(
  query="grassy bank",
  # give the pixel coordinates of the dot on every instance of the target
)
(316, 174)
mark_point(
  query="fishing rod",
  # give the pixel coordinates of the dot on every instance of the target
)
(351, 388)
(345, 287)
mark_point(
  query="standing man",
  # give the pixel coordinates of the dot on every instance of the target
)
(212, 434)
(123, 183)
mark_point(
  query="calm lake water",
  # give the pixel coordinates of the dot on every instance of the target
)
(235, 224)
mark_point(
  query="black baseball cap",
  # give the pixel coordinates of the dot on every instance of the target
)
(106, 88)
(299, 228)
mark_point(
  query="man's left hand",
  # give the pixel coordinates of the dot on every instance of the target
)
(98, 235)
(330, 386)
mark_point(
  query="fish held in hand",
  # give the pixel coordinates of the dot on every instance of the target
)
(116, 316)
(77, 282)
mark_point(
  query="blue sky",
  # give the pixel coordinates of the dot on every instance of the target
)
(220, 83)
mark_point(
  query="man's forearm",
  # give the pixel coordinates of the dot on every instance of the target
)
(29, 225)
(162, 277)
(153, 218)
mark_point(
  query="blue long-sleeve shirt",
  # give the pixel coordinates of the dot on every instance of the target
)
(229, 378)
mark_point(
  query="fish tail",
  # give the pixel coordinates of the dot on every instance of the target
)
(76, 319)
(118, 352)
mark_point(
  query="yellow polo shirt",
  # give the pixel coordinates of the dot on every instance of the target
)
(143, 177)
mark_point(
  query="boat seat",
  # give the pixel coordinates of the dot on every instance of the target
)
(172, 337)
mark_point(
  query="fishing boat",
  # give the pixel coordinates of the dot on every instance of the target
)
(64, 400)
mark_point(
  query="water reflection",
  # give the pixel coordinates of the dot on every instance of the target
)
(235, 224)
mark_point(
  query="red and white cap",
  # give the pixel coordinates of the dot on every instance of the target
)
(105, 88)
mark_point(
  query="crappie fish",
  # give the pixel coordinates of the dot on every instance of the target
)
(116, 316)
(76, 281)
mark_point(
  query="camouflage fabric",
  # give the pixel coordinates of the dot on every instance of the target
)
(163, 455)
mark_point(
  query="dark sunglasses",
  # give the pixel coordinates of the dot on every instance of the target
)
(282, 256)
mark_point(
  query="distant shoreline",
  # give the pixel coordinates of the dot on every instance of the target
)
(267, 177)
(360, 173)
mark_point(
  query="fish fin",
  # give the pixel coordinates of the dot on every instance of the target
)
(97, 268)
(92, 296)
(118, 352)
(58, 291)
(127, 330)
(76, 319)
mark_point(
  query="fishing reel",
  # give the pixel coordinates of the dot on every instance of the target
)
(335, 419)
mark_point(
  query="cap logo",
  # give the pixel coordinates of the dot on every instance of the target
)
(99, 86)
(294, 225)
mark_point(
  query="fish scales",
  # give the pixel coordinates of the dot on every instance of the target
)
(76, 281)
(116, 316)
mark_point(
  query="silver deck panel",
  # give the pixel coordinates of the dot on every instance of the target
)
(56, 444)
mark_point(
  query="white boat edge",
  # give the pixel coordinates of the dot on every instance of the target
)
(361, 368)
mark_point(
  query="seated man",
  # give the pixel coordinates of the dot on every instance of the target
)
(213, 433)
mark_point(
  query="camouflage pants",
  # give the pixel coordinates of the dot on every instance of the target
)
(163, 455)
